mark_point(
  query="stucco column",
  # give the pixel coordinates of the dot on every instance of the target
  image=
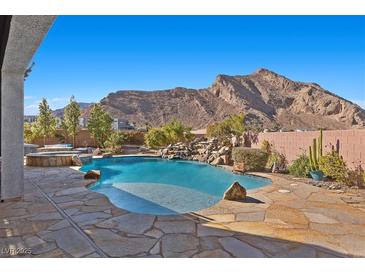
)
(25, 35)
(12, 108)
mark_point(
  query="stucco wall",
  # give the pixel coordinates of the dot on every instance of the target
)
(351, 143)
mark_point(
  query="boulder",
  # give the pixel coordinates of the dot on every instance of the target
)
(217, 161)
(224, 150)
(76, 161)
(239, 167)
(200, 158)
(92, 174)
(235, 192)
(211, 158)
(97, 152)
(234, 141)
(226, 159)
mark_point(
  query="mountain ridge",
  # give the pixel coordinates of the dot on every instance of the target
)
(60, 111)
(268, 99)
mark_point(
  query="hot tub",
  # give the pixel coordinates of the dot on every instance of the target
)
(50, 159)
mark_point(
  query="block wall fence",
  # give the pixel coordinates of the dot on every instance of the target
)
(84, 139)
(351, 143)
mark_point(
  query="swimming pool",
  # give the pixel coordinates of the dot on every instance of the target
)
(157, 186)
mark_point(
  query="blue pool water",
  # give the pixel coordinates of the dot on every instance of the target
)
(163, 187)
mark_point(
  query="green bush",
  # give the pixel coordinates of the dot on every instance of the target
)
(223, 130)
(29, 135)
(115, 141)
(155, 138)
(253, 159)
(334, 167)
(300, 167)
(171, 133)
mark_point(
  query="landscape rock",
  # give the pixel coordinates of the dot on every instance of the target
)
(239, 167)
(235, 192)
(92, 174)
(76, 161)
(234, 141)
(226, 159)
(97, 152)
(200, 149)
(217, 161)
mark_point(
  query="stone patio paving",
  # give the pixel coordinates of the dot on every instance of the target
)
(60, 217)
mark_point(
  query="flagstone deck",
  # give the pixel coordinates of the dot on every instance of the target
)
(59, 217)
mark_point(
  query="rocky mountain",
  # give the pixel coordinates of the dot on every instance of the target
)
(59, 112)
(268, 100)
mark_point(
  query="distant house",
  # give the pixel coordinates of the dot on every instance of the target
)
(30, 118)
(199, 132)
(58, 122)
(119, 124)
(83, 122)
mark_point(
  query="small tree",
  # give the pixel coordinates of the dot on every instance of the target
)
(99, 124)
(223, 130)
(176, 131)
(170, 133)
(71, 123)
(45, 124)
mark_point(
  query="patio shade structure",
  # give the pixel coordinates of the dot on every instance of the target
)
(20, 37)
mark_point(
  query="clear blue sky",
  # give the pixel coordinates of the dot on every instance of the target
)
(90, 56)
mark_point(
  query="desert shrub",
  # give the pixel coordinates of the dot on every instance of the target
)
(278, 159)
(253, 159)
(334, 167)
(176, 131)
(134, 137)
(300, 167)
(115, 141)
(223, 130)
(170, 133)
(357, 176)
(155, 138)
(266, 146)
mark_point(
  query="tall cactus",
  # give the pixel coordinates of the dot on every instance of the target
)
(316, 151)
(320, 143)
